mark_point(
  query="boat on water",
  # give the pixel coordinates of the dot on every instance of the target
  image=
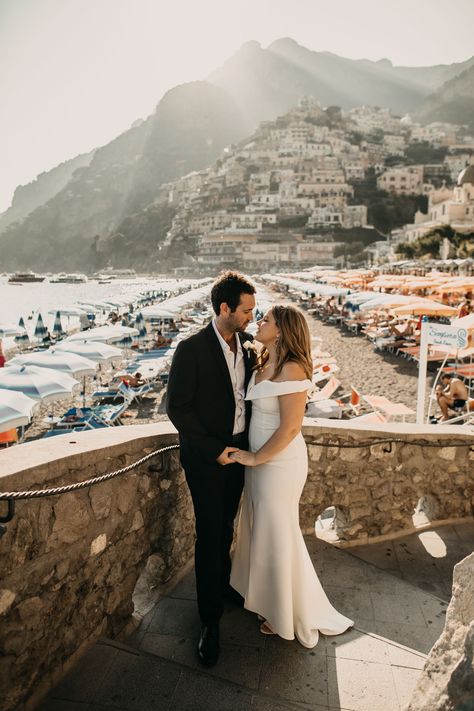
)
(109, 273)
(20, 277)
(63, 278)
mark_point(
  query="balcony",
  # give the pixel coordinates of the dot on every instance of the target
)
(97, 584)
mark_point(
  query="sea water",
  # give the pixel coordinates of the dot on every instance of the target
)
(30, 299)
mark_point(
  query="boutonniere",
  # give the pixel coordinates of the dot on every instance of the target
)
(251, 348)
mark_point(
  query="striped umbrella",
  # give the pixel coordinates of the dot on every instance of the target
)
(40, 329)
(42, 384)
(22, 338)
(58, 327)
(141, 327)
(16, 409)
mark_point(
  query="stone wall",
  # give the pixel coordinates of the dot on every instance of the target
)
(447, 681)
(70, 563)
(376, 488)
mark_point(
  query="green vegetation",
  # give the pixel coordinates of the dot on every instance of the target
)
(429, 245)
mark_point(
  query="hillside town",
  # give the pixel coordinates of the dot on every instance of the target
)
(289, 195)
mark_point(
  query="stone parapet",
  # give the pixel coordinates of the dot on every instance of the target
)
(376, 487)
(70, 563)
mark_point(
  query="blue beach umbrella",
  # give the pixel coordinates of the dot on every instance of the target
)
(40, 329)
(22, 338)
(141, 327)
(58, 327)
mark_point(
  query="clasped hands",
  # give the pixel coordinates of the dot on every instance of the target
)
(231, 455)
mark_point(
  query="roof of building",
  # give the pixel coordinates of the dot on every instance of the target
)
(466, 175)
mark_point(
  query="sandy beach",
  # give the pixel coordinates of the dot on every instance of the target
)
(369, 371)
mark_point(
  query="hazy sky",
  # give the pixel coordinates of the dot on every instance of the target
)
(76, 73)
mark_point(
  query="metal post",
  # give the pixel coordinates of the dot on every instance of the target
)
(422, 367)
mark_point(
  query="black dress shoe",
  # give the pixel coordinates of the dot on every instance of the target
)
(208, 647)
(233, 596)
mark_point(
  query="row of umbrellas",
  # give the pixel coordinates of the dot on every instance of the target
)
(47, 376)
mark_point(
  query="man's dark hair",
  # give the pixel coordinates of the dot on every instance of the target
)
(227, 290)
(447, 376)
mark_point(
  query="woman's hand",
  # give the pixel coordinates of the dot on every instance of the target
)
(248, 459)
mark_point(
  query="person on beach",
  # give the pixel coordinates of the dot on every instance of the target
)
(205, 401)
(2, 355)
(451, 394)
(271, 568)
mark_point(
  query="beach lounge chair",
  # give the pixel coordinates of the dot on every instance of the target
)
(370, 418)
(321, 404)
(389, 408)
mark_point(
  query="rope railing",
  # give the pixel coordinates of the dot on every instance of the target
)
(40, 493)
(54, 491)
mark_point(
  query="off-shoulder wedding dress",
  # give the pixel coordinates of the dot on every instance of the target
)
(271, 568)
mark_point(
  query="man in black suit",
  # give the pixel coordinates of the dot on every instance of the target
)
(205, 402)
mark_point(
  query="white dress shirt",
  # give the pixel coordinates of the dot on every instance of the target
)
(236, 366)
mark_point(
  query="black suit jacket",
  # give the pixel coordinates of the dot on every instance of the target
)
(200, 399)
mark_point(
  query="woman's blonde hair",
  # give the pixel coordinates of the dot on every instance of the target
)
(294, 342)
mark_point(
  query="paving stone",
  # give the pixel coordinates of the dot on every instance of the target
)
(401, 657)
(354, 644)
(186, 588)
(405, 681)
(92, 666)
(292, 673)
(239, 626)
(263, 703)
(201, 693)
(236, 663)
(355, 604)
(175, 616)
(381, 555)
(397, 608)
(361, 686)
(138, 683)
(433, 610)
(420, 639)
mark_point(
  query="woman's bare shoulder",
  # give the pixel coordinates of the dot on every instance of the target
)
(291, 371)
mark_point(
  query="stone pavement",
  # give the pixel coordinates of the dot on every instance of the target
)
(372, 667)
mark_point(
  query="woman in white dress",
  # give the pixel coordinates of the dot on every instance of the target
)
(271, 568)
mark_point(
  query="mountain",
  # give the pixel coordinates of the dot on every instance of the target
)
(64, 219)
(189, 129)
(453, 102)
(43, 188)
(267, 82)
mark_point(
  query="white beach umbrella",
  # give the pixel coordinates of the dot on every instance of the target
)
(16, 409)
(68, 311)
(94, 350)
(75, 365)
(10, 329)
(38, 383)
(106, 334)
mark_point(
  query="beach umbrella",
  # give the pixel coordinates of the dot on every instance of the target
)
(94, 350)
(141, 327)
(38, 383)
(40, 329)
(22, 338)
(424, 309)
(68, 311)
(16, 409)
(106, 334)
(70, 363)
(125, 342)
(11, 329)
(58, 327)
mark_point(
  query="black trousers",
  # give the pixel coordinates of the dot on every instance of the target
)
(216, 492)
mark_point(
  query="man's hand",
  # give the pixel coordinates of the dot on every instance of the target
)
(224, 457)
(248, 459)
